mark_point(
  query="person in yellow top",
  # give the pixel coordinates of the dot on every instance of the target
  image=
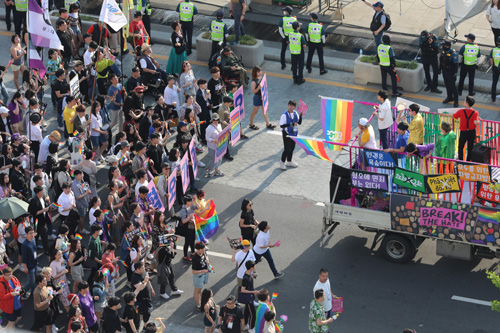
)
(200, 202)
(69, 115)
(416, 126)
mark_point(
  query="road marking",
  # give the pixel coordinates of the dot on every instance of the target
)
(321, 204)
(274, 133)
(470, 300)
(221, 255)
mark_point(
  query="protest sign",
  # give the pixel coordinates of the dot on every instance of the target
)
(239, 101)
(446, 183)
(154, 196)
(222, 142)
(474, 172)
(442, 217)
(194, 159)
(172, 183)
(235, 125)
(264, 93)
(369, 180)
(379, 159)
(484, 192)
(302, 108)
(130, 235)
(185, 172)
(410, 180)
(74, 86)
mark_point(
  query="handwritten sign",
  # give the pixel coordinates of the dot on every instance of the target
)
(485, 193)
(74, 87)
(154, 196)
(239, 101)
(129, 236)
(222, 142)
(442, 217)
(235, 125)
(185, 172)
(410, 180)
(302, 108)
(474, 172)
(379, 159)
(446, 183)
(194, 159)
(264, 93)
(172, 182)
(369, 180)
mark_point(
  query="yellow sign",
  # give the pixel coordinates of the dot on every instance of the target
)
(443, 183)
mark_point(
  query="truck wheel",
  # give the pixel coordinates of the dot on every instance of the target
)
(397, 248)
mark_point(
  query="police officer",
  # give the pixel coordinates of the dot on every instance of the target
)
(315, 35)
(297, 43)
(20, 15)
(429, 45)
(144, 7)
(379, 20)
(387, 62)
(218, 32)
(284, 28)
(469, 52)
(448, 64)
(495, 61)
(187, 11)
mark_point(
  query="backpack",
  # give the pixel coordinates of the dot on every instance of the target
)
(388, 21)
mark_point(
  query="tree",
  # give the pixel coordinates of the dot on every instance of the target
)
(495, 279)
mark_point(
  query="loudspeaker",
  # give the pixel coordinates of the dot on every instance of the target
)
(344, 190)
(481, 154)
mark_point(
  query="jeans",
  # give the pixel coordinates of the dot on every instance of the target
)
(116, 69)
(239, 29)
(31, 285)
(60, 121)
(378, 38)
(5, 95)
(267, 255)
(383, 137)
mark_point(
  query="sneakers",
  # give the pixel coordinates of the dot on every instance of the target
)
(201, 164)
(276, 277)
(219, 173)
(60, 129)
(177, 292)
(282, 165)
(208, 175)
(165, 296)
(199, 150)
(25, 296)
(292, 164)
(187, 259)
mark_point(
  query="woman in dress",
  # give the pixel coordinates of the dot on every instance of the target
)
(5, 186)
(178, 53)
(248, 223)
(75, 261)
(59, 271)
(187, 80)
(16, 54)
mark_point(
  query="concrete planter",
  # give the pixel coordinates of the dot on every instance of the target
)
(411, 80)
(251, 55)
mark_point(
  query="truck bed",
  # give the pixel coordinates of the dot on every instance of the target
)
(366, 218)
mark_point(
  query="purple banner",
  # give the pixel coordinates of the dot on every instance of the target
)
(265, 94)
(185, 173)
(239, 101)
(172, 193)
(369, 180)
(194, 159)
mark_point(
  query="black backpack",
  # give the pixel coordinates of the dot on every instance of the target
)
(388, 21)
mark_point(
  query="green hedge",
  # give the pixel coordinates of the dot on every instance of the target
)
(244, 40)
(399, 63)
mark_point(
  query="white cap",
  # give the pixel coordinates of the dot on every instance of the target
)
(363, 121)
(4, 110)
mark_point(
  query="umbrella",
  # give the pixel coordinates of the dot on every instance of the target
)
(11, 208)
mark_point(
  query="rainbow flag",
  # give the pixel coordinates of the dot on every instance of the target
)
(78, 236)
(207, 224)
(55, 205)
(275, 295)
(202, 122)
(312, 147)
(336, 120)
(75, 133)
(487, 216)
(122, 159)
(262, 308)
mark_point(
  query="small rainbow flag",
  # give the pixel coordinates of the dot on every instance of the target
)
(106, 212)
(312, 147)
(336, 120)
(54, 204)
(146, 39)
(75, 133)
(72, 173)
(275, 295)
(81, 150)
(169, 121)
(146, 163)
(36, 223)
(61, 144)
(122, 160)
(78, 236)
(124, 263)
(201, 122)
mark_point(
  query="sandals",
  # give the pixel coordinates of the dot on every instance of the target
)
(271, 126)
(252, 126)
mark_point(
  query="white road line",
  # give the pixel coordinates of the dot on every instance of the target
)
(221, 255)
(321, 204)
(274, 132)
(470, 300)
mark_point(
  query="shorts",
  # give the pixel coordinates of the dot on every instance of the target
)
(98, 140)
(95, 327)
(16, 68)
(82, 211)
(77, 273)
(200, 280)
(76, 30)
(13, 316)
(257, 100)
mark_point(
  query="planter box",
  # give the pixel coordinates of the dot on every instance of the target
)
(412, 80)
(251, 55)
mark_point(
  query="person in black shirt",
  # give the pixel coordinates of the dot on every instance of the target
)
(82, 79)
(111, 322)
(182, 134)
(216, 87)
(145, 123)
(165, 272)
(200, 272)
(248, 223)
(18, 179)
(140, 281)
(203, 100)
(247, 292)
(134, 81)
(130, 315)
(134, 105)
(155, 153)
(183, 149)
(59, 89)
(231, 317)
(67, 42)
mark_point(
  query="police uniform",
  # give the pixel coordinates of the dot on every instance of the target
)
(297, 43)
(448, 63)
(284, 28)
(187, 11)
(218, 33)
(470, 52)
(315, 35)
(144, 7)
(495, 62)
(387, 62)
(20, 15)
(429, 45)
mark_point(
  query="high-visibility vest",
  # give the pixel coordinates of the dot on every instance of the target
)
(21, 5)
(314, 31)
(147, 10)
(186, 11)
(470, 54)
(383, 54)
(68, 3)
(217, 29)
(287, 24)
(496, 56)
(295, 42)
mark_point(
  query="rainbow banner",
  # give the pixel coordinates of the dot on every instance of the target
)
(207, 223)
(336, 120)
(312, 147)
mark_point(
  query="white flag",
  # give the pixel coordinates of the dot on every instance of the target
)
(112, 15)
(42, 32)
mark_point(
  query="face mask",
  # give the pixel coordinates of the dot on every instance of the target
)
(100, 232)
(285, 13)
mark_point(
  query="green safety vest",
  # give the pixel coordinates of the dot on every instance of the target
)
(295, 42)
(217, 29)
(186, 11)
(470, 54)
(496, 56)
(287, 24)
(21, 5)
(68, 3)
(139, 7)
(383, 54)
(314, 31)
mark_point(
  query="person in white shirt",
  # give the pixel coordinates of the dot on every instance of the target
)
(211, 135)
(142, 177)
(324, 283)
(240, 258)
(55, 136)
(87, 61)
(384, 114)
(263, 247)
(67, 201)
(38, 169)
(171, 93)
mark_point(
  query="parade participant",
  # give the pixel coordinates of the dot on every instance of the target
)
(384, 114)
(203, 100)
(111, 321)
(248, 223)
(82, 193)
(231, 318)
(422, 151)
(385, 55)
(76, 258)
(264, 305)
(469, 119)
(323, 283)
(429, 45)
(232, 67)
(240, 258)
(178, 53)
(212, 134)
(366, 134)
(318, 322)
(58, 273)
(165, 271)
(297, 43)
(17, 52)
(187, 10)
(402, 139)
(144, 291)
(187, 217)
(117, 95)
(66, 38)
(257, 99)
(416, 126)
(495, 62)
(10, 295)
(289, 121)
(100, 290)
(209, 308)
(269, 326)
(285, 28)
(42, 297)
(99, 34)
(224, 114)
(187, 80)
(17, 108)
(237, 10)
(130, 315)
(263, 247)
(445, 147)
(218, 32)
(315, 37)
(144, 7)
(200, 272)
(95, 252)
(53, 64)
(380, 22)
(137, 29)
(448, 62)
(470, 52)
(87, 306)
(493, 17)
(39, 209)
(216, 87)
(247, 292)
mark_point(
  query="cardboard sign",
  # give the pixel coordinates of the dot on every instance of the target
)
(338, 305)
(129, 236)
(410, 180)
(235, 125)
(302, 108)
(446, 183)
(474, 172)
(485, 193)
(172, 190)
(154, 196)
(369, 180)
(222, 142)
(487, 230)
(185, 173)
(194, 159)
(379, 159)
(166, 239)
(239, 101)
(265, 94)
(74, 87)
(442, 217)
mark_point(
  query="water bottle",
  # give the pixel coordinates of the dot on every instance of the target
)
(360, 52)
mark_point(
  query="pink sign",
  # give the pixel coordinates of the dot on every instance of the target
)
(302, 108)
(172, 182)
(265, 94)
(194, 159)
(185, 173)
(239, 101)
(235, 125)
(154, 196)
(442, 217)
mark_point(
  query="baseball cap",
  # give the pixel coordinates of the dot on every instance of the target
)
(182, 123)
(378, 4)
(314, 15)
(424, 33)
(287, 9)
(125, 144)
(363, 121)
(245, 242)
(471, 36)
(16, 136)
(140, 146)
(112, 159)
(4, 110)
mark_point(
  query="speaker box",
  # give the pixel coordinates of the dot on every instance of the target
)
(481, 154)
(344, 190)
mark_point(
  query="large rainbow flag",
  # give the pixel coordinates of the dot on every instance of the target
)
(312, 147)
(336, 120)
(207, 223)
